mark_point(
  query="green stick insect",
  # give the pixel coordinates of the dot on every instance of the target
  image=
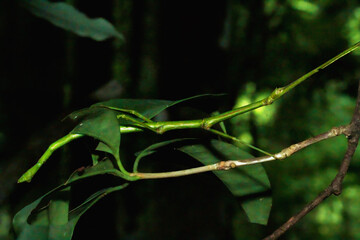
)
(138, 118)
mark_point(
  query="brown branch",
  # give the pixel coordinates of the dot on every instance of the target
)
(230, 164)
(335, 188)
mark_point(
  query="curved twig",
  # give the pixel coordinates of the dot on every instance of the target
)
(352, 131)
(229, 164)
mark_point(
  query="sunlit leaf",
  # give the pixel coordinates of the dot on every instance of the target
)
(54, 221)
(248, 181)
(67, 17)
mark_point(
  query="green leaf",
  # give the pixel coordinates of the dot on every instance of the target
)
(30, 225)
(33, 222)
(248, 181)
(67, 17)
(95, 159)
(146, 107)
(76, 213)
(103, 148)
(258, 209)
(54, 221)
(102, 124)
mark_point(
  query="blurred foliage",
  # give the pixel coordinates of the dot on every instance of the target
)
(174, 50)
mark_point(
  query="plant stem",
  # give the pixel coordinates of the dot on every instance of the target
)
(352, 132)
(179, 173)
(229, 164)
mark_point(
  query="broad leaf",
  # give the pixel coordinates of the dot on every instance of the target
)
(102, 124)
(41, 225)
(54, 221)
(258, 209)
(103, 148)
(248, 181)
(67, 17)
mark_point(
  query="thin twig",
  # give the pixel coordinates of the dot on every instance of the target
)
(352, 131)
(229, 164)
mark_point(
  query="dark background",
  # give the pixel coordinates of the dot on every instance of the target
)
(174, 50)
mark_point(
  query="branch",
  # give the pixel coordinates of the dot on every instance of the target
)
(229, 164)
(352, 131)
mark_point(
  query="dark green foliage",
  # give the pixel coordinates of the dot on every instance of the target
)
(67, 17)
(102, 125)
(100, 122)
(50, 216)
(249, 181)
